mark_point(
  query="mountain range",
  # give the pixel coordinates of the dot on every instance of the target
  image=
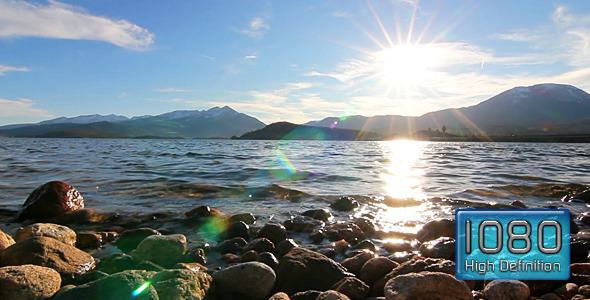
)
(539, 110)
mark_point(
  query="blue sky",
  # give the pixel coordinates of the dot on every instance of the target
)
(281, 60)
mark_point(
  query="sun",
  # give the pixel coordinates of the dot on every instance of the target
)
(406, 64)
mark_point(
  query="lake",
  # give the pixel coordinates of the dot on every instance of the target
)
(402, 184)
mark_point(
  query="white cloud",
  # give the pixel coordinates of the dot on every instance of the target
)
(21, 107)
(251, 57)
(192, 103)
(257, 28)
(4, 69)
(340, 14)
(171, 89)
(62, 21)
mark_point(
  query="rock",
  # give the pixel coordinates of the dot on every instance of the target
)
(230, 258)
(427, 285)
(442, 247)
(108, 236)
(59, 232)
(583, 195)
(117, 286)
(260, 245)
(339, 246)
(303, 224)
(196, 255)
(164, 250)
(306, 295)
(549, 296)
(48, 252)
(203, 212)
(86, 216)
(318, 214)
(355, 263)
(567, 291)
(279, 296)
(345, 204)
(435, 229)
(367, 245)
(268, 259)
(231, 246)
(28, 282)
(375, 268)
(421, 264)
(302, 270)
(5, 240)
(393, 247)
(317, 236)
(78, 279)
(274, 232)
(580, 268)
(129, 239)
(236, 229)
(148, 266)
(50, 200)
(332, 295)
(579, 297)
(117, 262)
(506, 290)
(518, 204)
(195, 267)
(247, 218)
(182, 284)
(88, 240)
(247, 256)
(584, 290)
(352, 287)
(251, 280)
(346, 231)
(366, 225)
(285, 246)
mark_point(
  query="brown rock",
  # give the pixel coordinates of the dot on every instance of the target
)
(332, 295)
(548, 296)
(355, 263)
(28, 282)
(376, 268)
(59, 232)
(442, 247)
(260, 245)
(203, 212)
(48, 252)
(427, 285)
(230, 258)
(279, 296)
(435, 229)
(250, 280)
(89, 240)
(86, 216)
(248, 256)
(567, 290)
(584, 290)
(507, 290)
(580, 268)
(352, 287)
(302, 270)
(51, 200)
(5, 240)
(306, 295)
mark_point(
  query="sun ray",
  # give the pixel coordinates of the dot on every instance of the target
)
(378, 19)
(412, 22)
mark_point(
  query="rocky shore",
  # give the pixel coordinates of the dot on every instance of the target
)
(61, 250)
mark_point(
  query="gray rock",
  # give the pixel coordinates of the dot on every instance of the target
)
(28, 282)
(59, 232)
(506, 290)
(318, 214)
(442, 247)
(250, 280)
(164, 250)
(303, 224)
(427, 285)
(345, 204)
(302, 270)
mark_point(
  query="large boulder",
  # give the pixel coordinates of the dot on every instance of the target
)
(427, 285)
(250, 280)
(375, 268)
(164, 250)
(435, 229)
(59, 232)
(28, 282)
(182, 284)
(48, 252)
(302, 270)
(5, 240)
(51, 200)
(131, 284)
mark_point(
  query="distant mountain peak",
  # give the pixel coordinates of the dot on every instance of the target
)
(86, 119)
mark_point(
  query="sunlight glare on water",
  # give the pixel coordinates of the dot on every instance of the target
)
(404, 176)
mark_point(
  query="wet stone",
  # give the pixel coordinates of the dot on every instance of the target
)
(279, 296)
(51, 200)
(367, 245)
(233, 245)
(251, 280)
(274, 232)
(117, 262)
(318, 214)
(317, 236)
(345, 204)
(347, 231)
(203, 212)
(230, 258)
(148, 266)
(260, 245)
(285, 246)
(303, 224)
(393, 247)
(88, 240)
(236, 229)
(375, 268)
(435, 229)
(355, 263)
(584, 290)
(247, 256)
(443, 247)
(332, 295)
(269, 259)
(247, 218)
(366, 225)
(129, 239)
(306, 295)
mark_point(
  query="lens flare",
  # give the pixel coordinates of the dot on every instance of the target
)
(213, 228)
(285, 162)
(140, 289)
